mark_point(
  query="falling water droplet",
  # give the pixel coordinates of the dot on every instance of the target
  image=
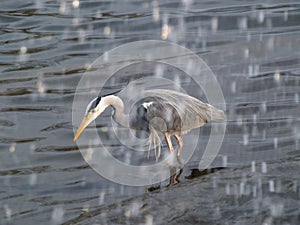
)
(32, 179)
(268, 221)
(261, 16)
(243, 23)
(297, 98)
(75, 21)
(101, 197)
(187, 4)
(127, 157)
(227, 189)
(159, 71)
(271, 186)
(233, 87)
(62, 7)
(248, 37)
(245, 139)
(275, 142)
(23, 54)
(254, 131)
(89, 154)
(165, 31)
(149, 219)
(264, 133)
(106, 30)
(23, 50)
(242, 188)
(105, 56)
(217, 211)
(155, 11)
(135, 208)
(246, 53)
(256, 69)
(254, 191)
(75, 3)
(8, 212)
(57, 215)
(12, 147)
(269, 23)
(224, 160)
(286, 15)
(277, 209)
(253, 169)
(214, 180)
(32, 148)
(263, 107)
(39, 84)
(214, 24)
(264, 167)
(270, 43)
(254, 118)
(250, 70)
(177, 82)
(239, 120)
(295, 185)
(122, 190)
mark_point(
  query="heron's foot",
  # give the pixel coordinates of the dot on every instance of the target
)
(177, 178)
(172, 176)
(171, 182)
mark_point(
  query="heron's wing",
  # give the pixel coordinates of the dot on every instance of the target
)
(192, 112)
(154, 112)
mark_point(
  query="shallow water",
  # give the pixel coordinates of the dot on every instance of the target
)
(46, 46)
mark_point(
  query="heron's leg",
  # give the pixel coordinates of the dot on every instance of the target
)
(172, 176)
(180, 144)
(169, 142)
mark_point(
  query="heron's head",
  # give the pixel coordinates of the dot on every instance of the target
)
(93, 110)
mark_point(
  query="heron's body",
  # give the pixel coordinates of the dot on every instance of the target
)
(159, 111)
(180, 112)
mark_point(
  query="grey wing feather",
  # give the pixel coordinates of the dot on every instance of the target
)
(192, 112)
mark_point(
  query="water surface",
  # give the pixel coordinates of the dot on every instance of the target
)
(46, 46)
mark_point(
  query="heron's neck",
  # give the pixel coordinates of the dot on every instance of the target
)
(118, 114)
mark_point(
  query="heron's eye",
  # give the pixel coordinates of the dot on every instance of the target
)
(92, 111)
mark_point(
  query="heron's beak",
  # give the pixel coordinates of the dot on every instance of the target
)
(86, 121)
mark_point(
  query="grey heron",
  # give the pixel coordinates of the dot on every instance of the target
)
(159, 112)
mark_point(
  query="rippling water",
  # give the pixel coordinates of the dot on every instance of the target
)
(46, 46)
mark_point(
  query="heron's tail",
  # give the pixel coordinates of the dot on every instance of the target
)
(216, 115)
(154, 142)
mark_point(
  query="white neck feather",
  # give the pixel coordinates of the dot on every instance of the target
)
(118, 106)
